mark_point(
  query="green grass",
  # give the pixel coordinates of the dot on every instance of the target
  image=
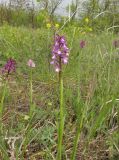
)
(91, 84)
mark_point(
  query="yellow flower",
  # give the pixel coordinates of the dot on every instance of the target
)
(56, 25)
(86, 20)
(26, 117)
(48, 25)
(90, 29)
(49, 104)
(83, 33)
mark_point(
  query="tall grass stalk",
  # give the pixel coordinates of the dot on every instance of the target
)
(80, 117)
(61, 123)
(78, 133)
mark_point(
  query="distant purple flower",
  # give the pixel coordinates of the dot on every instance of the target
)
(9, 67)
(82, 44)
(60, 52)
(116, 43)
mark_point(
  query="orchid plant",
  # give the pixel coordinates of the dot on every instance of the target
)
(60, 55)
(7, 69)
(32, 65)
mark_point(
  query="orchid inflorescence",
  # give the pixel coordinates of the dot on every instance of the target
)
(60, 52)
(9, 67)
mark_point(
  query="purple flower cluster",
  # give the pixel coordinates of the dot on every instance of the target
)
(60, 53)
(82, 44)
(9, 67)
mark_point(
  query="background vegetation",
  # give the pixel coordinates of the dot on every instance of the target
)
(103, 14)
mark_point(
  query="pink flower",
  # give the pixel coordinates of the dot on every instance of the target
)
(31, 63)
(57, 69)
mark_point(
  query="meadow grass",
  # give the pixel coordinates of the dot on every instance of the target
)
(91, 96)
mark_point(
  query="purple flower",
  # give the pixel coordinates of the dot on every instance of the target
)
(116, 43)
(9, 67)
(60, 52)
(82, 44)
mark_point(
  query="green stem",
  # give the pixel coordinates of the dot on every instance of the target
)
(1, 104)
(61, 123)
(31, 94)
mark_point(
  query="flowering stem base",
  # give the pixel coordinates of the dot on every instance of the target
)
(61, 123)
(1, 105)
(31, 95)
